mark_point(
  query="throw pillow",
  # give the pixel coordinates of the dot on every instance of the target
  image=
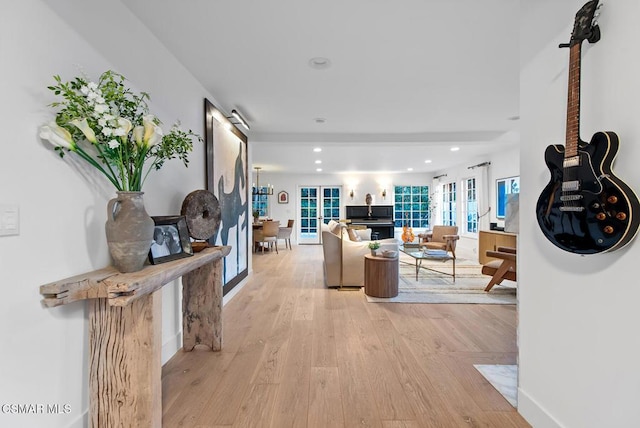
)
(364, 234)
(353, 236)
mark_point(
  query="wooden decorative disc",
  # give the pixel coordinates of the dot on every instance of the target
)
(202, 211)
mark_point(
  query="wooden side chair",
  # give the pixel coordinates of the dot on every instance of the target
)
(501, 269)
(285, 233)
(267, 235)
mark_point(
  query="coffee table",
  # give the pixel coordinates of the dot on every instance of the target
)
(419, 255)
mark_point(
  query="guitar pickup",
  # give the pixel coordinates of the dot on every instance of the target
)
(564, 198)
(572, 209)
(570, 186)
(571, 162)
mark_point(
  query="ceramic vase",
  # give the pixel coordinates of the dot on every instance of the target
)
(129, 231)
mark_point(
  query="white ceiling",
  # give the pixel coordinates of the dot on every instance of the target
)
(408, 78)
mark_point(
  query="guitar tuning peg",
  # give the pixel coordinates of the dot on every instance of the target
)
(594, 23)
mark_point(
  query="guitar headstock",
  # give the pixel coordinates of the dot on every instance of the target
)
(585, 26)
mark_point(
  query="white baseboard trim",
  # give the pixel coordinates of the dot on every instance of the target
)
(534, 413)
(171, 347)
(231, 294)
(81, 421)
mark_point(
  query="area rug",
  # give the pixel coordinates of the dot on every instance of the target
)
(435, 285)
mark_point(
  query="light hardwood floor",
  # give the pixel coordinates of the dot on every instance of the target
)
(296, 354)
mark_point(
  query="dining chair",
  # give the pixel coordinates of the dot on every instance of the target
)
(285, 233)
(267, 235)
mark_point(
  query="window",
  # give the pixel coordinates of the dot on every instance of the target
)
(330, 204)
(471, 206)
(449, 204)
(261, 202)
(309, 210)
(411, 206)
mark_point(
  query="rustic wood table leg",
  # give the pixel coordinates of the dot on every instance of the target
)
(125, 363)
(202, 307)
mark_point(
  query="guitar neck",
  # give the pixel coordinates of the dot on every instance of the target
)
(573, 102)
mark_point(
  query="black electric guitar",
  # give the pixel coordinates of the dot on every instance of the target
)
(585, 208)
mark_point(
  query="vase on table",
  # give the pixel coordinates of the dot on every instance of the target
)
(129, 231)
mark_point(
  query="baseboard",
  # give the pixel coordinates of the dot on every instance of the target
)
(535, 414)
(231, 294)
(81, 421)
(171, 347)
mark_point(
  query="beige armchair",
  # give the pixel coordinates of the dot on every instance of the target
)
(352, 259)
(441, 238)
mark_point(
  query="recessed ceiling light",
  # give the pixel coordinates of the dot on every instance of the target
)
(319, 63)
(427, 161)
(318, 161)
(455, 149)
(319, 169)
(317, 149)
(409, 169)
(320, 120)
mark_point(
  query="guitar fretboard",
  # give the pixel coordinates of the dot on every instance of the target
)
(573, 102)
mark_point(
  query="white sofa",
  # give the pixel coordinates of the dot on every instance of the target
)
(353, 253)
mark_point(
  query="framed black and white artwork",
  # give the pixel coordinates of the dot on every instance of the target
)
(227, 176)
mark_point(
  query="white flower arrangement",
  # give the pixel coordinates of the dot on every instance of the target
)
(110, 127)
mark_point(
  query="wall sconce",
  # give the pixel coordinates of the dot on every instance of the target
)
(351, 193)
(384, 193)
(235, 115)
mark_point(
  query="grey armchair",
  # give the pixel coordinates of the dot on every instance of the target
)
(285, 234)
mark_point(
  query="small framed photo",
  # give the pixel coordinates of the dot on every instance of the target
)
(170, 239)
(283, 197)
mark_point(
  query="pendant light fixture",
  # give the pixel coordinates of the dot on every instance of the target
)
(257, 190)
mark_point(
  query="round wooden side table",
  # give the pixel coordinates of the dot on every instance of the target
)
(380, 276)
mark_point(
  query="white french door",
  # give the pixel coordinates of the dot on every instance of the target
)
(317, 204)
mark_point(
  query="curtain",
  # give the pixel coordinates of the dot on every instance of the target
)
(484, 206)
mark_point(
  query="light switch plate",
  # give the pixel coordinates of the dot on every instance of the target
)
(9, 220)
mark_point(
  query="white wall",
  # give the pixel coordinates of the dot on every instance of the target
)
(578, 316)
(62, 214)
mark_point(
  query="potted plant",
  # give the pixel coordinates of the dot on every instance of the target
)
(373, 246)
(109, 126)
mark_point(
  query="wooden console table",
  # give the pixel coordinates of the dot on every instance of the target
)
(125, 318)
(490, 240)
